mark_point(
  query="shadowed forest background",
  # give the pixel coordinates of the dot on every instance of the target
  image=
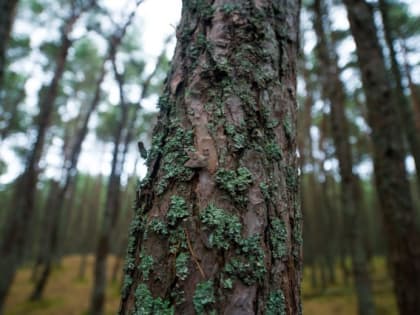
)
(79, 84)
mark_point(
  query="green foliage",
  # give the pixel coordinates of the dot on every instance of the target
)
(177, 210)
(19, 47)
(236, 183)
(276, 303)
(3, 167)
(36, 6)
(226, 228)
(203, 296)
(181, 265)
(108, 123)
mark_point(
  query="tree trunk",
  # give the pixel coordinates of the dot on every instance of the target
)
(7, 16)
(112, 206)
(395, 198)
(69, 171)
(11, 249)
(414, 93)
(334, 92)
(218, 226)
(405, 111)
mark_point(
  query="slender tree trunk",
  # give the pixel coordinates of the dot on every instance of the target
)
(11, 249)
(71, 158)
(405, 111)
(414, 90)
(397, 207)
(7, 16)
(218, 226)
(333, 91)
(111, 209)
(92, 208)
(46, 226)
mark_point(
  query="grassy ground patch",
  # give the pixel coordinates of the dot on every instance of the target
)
(68, 295)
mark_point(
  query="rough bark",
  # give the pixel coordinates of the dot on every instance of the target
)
(218, 226)
(399, 215)
(13, 242)
(7, 16)
(405, 111)
(334, 92)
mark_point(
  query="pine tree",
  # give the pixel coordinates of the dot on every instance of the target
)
(217, 225)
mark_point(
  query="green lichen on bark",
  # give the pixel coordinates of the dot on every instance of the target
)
(145, 304)
(278, 238)
(146, 264)
(273, 151)
(265, 190)
(238, 137)
(204, 297)
(235, 183)
(136, 226)
(126, 285)
(181, 265)
(157, 226)
(248, 265)
(177, 210)
(227, 283)
(292, 178)
(225, 228)
(276, 304)
(175, 155)
(225, 233)
(177, 240)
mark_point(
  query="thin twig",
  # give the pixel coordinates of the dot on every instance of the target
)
(193, 255)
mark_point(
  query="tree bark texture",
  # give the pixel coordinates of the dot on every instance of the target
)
(399, 215)
(333, 91)
(217, 229)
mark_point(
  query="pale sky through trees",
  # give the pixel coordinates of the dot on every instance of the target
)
(156, 19)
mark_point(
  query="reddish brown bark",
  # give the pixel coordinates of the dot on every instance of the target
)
(218, 225)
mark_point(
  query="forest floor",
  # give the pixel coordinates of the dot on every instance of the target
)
(67, 295)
